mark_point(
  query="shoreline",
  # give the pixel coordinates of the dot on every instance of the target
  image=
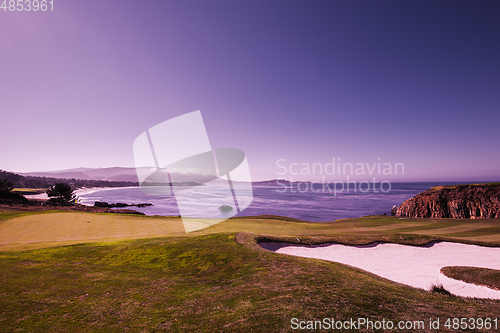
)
(78, 192)
(87, 190)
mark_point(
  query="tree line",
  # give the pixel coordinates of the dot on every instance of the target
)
(20, 181)
(60, 190)
(60, 194)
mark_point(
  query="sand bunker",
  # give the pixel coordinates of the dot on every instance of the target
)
(416, 266)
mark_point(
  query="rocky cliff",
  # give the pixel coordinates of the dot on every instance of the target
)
(463, 201)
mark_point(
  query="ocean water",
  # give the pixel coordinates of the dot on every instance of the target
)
(273, 199)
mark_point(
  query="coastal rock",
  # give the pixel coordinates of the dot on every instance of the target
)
(104, 204)
(479, 201)
(225, 208)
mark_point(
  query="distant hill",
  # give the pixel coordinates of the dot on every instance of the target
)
(116, 174)
(68, 175)
(29, 181)
(272, 182)
(110, 174)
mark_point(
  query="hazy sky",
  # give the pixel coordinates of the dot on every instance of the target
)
(413, 82)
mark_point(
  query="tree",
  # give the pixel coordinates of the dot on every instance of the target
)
(62, 194)
(13, 178)
(6, 186)
(7, 196)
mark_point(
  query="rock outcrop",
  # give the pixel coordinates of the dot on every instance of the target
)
(225, 208)
(119, 205)
(479, 201)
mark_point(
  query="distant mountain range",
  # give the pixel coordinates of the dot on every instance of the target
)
(120, 174)
(100, 177)
(124, 174)
(116, 174)
(35, 182)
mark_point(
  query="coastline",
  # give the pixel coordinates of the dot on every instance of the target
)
(78, 192)
(87, 190)
(312, 206)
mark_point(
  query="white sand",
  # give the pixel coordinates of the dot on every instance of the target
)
(41, 196)
(78, 192)
(88, 190)
(415, 266)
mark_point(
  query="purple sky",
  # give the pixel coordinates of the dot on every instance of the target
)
(413, 82)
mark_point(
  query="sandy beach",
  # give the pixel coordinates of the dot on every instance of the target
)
(78, 192)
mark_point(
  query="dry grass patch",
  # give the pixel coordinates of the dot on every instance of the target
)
(476, 275)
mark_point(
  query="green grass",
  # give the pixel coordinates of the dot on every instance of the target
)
(28, 191)
(478, 232)
(435, 188)
(480, 276)
(214, 280)
(10, 213)
(30, 230)
(38, 230)
(207, 283)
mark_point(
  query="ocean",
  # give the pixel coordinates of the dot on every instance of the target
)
(273, 199)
